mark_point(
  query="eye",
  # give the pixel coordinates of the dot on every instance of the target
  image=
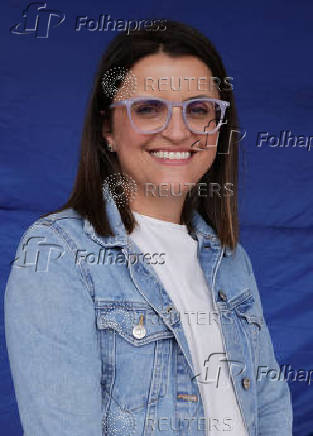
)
(148, 107)
(200, 108)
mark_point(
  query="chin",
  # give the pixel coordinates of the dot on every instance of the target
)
(167, 188)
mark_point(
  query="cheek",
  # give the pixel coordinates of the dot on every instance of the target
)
(126, 139)
(207, 156)
(208, 141)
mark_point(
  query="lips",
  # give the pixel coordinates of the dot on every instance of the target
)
(169, 153)
(170, 157)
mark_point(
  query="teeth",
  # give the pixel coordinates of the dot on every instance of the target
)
(171, 154)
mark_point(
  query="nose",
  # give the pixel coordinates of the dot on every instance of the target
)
(176, 129)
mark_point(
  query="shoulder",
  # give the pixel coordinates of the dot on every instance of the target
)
(236, 273)
(237, 259)
(45, 255)
(59, 225)
(48, 244)
(244, 258)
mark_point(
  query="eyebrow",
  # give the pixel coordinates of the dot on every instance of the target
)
(197, 96)
(150, 97)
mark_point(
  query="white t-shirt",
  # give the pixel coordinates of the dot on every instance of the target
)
(183, 279)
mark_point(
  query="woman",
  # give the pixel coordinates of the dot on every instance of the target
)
(138, 312)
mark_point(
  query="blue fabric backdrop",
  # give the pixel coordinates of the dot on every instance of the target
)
(266, 47)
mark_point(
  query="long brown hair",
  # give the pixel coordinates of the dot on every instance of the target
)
(96, 162)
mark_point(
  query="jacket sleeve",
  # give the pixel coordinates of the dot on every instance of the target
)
(273, 393)
(51, 338)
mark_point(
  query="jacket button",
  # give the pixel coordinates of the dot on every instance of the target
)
(246, 383)
(139, 331)
(222, 295)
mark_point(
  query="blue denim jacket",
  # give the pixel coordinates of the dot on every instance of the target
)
(81, 369)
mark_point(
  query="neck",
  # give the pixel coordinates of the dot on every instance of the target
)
(167, 208)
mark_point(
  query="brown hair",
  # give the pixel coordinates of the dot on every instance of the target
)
(96, 162)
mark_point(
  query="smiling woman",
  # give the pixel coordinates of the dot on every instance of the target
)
(106, 348)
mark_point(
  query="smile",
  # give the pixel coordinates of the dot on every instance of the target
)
(171, 154)
(172, 157)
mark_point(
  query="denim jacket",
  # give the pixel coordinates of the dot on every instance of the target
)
(96, 347)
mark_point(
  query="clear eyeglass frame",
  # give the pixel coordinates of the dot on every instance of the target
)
(170, 104)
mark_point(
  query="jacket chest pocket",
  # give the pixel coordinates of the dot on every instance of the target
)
(246, 310)
(136, 347)
(248, 318)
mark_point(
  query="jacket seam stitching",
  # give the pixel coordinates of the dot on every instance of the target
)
(59, 231)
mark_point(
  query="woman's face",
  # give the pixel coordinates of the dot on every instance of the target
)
(134, 149)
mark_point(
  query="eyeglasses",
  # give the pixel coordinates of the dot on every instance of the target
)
(152, 115)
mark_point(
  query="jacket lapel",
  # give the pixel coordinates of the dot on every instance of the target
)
(146, 279)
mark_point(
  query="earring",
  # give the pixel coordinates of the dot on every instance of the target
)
(109, 146)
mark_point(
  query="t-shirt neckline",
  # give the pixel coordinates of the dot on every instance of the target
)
(158, 222)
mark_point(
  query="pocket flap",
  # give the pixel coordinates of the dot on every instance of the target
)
(124, 316)
(245, 306)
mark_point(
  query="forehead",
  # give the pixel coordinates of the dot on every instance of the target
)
(174, 78)
(161, 64)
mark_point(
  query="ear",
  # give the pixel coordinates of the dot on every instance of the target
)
(106, 131)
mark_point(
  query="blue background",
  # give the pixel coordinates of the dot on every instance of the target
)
(267, 49)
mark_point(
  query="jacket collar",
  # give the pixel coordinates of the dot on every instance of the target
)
(203, 232)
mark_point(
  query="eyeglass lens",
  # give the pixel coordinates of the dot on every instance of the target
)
(201, 115)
